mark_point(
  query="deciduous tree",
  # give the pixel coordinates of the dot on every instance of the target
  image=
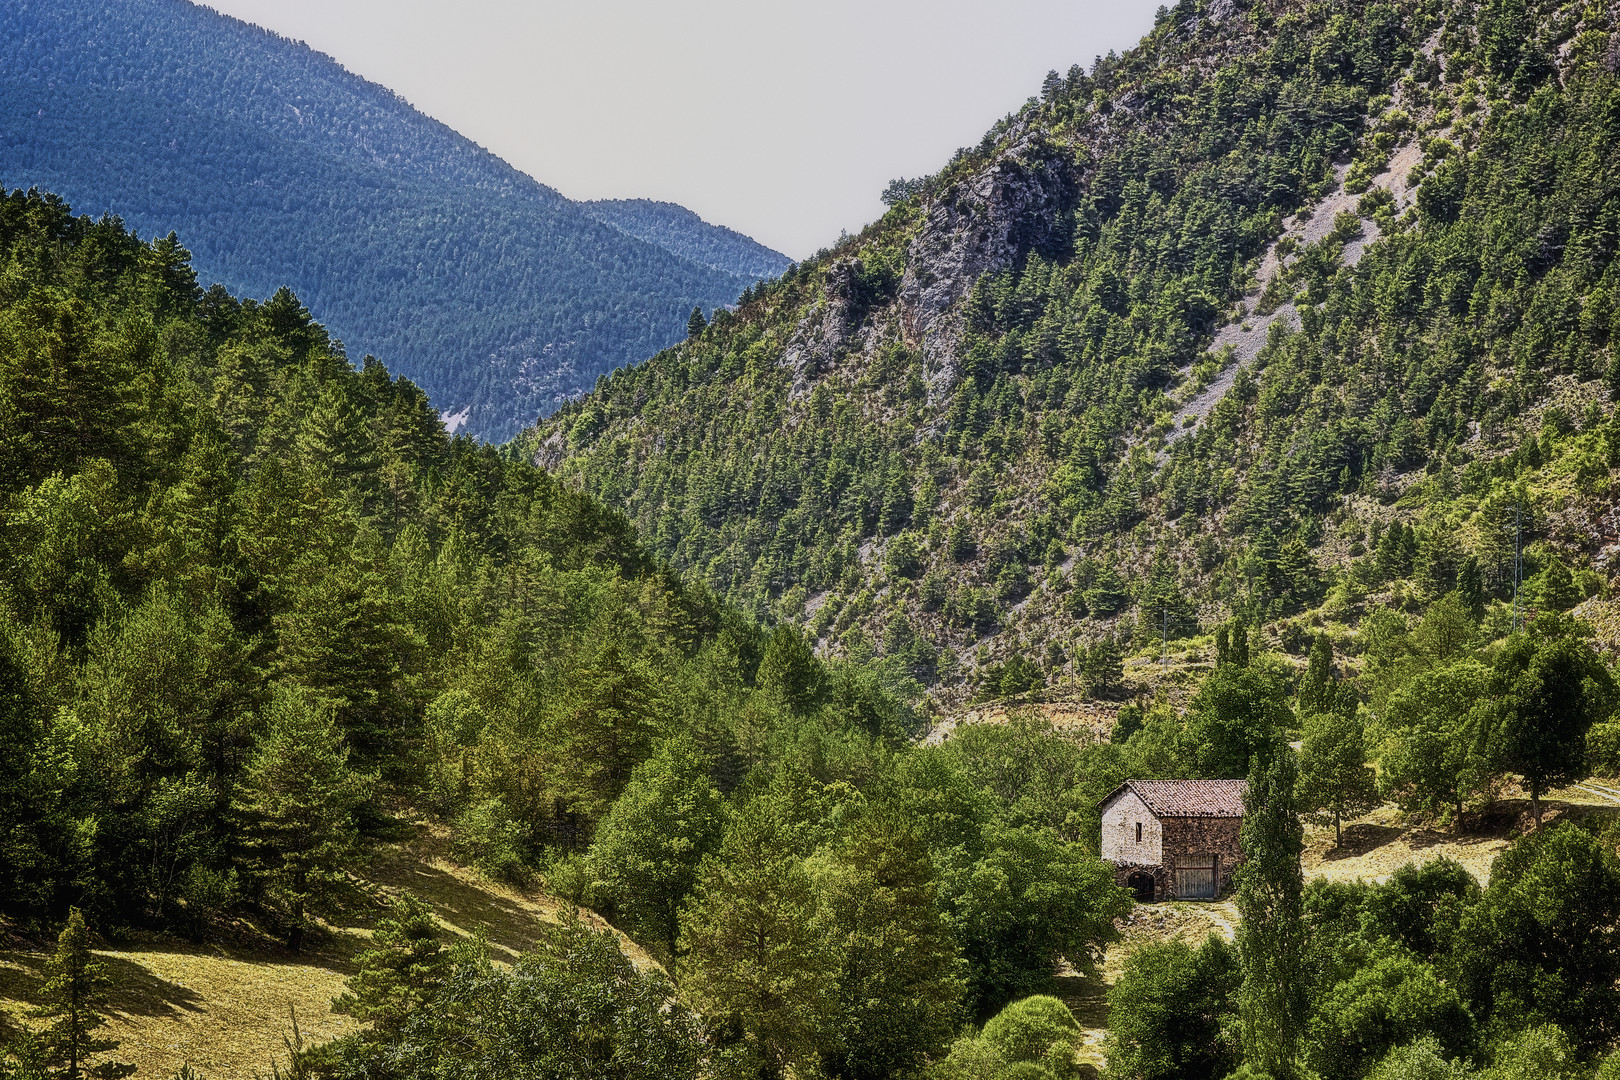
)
(900, 976)
(1335, 781)
(1549, 692)
(646, 853)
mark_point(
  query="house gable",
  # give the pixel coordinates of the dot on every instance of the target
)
(1131, 833)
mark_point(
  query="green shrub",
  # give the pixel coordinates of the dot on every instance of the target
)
(1027, 1029)
(487, 837)
(1421, 1060)
(1165, 1012)
(1540, 1053)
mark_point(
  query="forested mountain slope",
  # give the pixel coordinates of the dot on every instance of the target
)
(1000, 434)
(255, 607)
(260, 619)
(492, 291)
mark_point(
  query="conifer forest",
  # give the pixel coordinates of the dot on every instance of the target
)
(1243, 407)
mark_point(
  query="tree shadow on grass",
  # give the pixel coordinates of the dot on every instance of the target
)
(1361, 838)
(134, 990)
(508, 925)
(137, 991)
(21, 976)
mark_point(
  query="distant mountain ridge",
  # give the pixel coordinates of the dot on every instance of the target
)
(498, 295)
(677, 229)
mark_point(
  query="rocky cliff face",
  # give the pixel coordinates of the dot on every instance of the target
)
(1154, 353)
(984, 223)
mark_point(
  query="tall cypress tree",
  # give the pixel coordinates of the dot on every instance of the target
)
(1316, 686)
(1271, 937)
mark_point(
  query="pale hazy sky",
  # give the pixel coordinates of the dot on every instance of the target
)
(781, 120)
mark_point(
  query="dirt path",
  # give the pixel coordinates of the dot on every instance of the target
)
(1085, 990)
(1603, 792)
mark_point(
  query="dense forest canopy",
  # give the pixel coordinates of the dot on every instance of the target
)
(255, 604)
(998, 437)
(491, 291)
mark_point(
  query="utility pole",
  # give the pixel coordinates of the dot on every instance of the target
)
(1166, 633)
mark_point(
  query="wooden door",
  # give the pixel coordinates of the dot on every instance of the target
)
(1195, 877)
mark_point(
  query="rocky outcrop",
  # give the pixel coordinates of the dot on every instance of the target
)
(984, 223)
(828, 328)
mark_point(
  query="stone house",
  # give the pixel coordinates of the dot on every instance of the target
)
(1174, 839)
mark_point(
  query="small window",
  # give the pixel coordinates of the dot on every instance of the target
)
(1138, 832)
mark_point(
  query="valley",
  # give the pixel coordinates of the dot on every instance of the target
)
(1202, 486)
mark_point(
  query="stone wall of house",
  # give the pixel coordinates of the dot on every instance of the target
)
(1203, 836)
(1160, 875)
(1120, 819)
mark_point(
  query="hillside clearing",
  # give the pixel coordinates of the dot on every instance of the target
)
(226, 1007)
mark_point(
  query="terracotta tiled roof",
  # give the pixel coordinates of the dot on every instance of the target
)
(1188, 798)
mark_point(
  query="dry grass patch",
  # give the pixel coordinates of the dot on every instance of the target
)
(1378, 844)
(225, 1006)
(224, 1010)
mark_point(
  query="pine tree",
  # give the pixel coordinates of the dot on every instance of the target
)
(696, 324)
(296, 802)
(1273, 1007)
(901, 979)
(1102, 665)
(239, 399)
(74, 987)
(753, 959)
(1556, 587)
(340, 637)
(789, 671)
(607, 721)
(401, 972)
(192, 523)
(334, 439)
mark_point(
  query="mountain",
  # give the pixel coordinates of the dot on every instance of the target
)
(678, 230)
(262, 621)
(260, 618)
(497, 295)
(1291, 312)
